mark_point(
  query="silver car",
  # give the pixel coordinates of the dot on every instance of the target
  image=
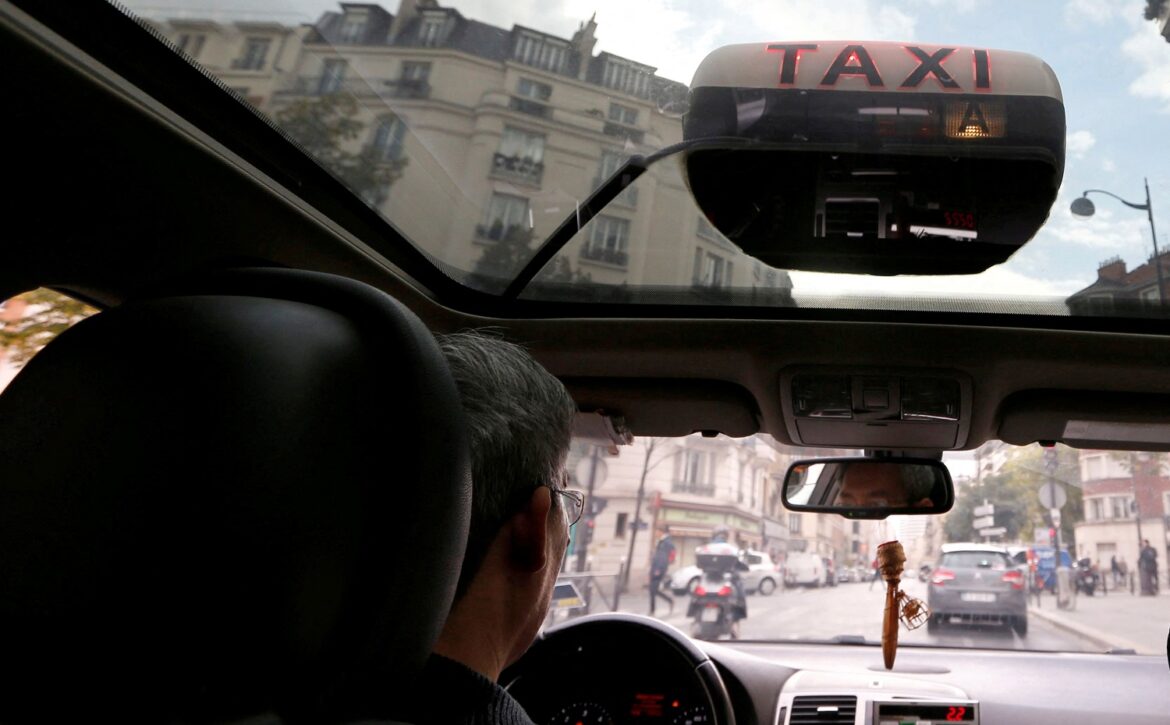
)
(977, 584)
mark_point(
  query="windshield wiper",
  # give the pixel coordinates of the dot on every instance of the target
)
(626, 175)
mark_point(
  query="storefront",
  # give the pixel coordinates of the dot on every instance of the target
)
(692, 527)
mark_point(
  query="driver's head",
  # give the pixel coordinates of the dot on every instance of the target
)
(519, 419)
(878, 485)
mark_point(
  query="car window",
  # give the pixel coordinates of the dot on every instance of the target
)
(974, 560)
(477, 128)
(29, 321)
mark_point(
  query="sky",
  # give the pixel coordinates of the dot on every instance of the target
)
(1113, 67)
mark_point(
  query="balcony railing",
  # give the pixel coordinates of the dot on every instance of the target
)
(529, 106)
(695, 487)
(621, 131)
(517, 168)
(598, 253)
(314, 86)
(410, 88)
(497, 231)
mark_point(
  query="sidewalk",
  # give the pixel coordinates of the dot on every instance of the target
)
(1117, 620)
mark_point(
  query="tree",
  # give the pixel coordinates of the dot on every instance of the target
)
(1155, 9)
(1015, 490)
(652, 444)
(47, 315)
(326, 127)
(505, 257)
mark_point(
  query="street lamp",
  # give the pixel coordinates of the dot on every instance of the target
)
(1083, 207)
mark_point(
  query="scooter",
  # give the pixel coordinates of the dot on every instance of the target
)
(718, 603)
(1085, 579)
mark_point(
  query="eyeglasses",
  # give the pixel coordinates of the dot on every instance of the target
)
(574, 503)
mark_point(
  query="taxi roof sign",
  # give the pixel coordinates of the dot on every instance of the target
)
(875, 157)
(877, 65)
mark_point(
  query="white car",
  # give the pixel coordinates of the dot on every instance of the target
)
(761, 575)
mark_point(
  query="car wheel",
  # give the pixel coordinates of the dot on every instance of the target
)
(1020, 625)
(933, 623)
(766, 587)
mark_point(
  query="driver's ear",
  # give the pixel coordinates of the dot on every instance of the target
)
(529, 531)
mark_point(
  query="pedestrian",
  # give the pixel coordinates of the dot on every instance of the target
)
(664, 555)
(1115, 570)
(1125, 582)
(877, 573)
(1148, 568)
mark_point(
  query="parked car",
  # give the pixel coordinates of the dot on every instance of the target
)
(804, 569)
(762, 575)
(847, 574)
(977, 584)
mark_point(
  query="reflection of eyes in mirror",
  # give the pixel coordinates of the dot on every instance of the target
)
(872, 485)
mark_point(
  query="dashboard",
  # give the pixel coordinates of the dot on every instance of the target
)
(624, 669)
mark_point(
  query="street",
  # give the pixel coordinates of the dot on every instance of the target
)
(854, 609)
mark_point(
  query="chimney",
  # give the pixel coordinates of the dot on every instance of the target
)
(583, 42)
(1112, 269)
(407, 11)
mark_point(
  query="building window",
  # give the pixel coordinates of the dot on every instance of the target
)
(1095, 510)
(1120, 507)
(431, 30)
(794, 523)
(626, 77)
(415, 80)
(620, 530)
(191, 43)
(255, 54)
(611, 161)
(521, 156)
(534, 90)
(531, 97)
(387, 143)
(711, 270)
(608, 241)
(353, 28)
(696, 474)
(540, 52)
(332, 76)
(623, 114)
(1093, 467)
(507, 215)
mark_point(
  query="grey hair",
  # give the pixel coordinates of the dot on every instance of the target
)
(918, 482)
(519, 422)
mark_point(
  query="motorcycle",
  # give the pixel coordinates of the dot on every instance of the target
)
(718, 602)
(1086, 578)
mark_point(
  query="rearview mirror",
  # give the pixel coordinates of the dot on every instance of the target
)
(869, 488)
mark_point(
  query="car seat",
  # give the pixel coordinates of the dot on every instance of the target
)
(244, 496)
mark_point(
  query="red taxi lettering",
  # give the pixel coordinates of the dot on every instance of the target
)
(862, 65)
(855, 60)
(791, 57)
(929, 64)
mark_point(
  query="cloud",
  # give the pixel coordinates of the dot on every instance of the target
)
(1108, 166)
(1078, 143)
(1079, 13)
(1146, 48)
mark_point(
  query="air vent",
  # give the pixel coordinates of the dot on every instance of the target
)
(827, 710)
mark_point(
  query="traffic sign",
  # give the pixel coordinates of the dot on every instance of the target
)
(585, 467)
(1052, 496)
(986, 509)
(997, 531)
(983, 522)
(1055, 514)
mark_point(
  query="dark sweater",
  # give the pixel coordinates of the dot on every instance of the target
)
(449, 693)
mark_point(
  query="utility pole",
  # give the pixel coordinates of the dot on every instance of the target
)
(587, 519)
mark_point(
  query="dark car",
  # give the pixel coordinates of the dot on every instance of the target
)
(977, 584)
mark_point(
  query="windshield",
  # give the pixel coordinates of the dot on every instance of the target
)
(477, 128)
(652, 506)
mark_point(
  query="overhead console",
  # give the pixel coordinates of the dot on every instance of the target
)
(876, 408)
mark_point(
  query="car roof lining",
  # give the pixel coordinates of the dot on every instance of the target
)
(665, 369)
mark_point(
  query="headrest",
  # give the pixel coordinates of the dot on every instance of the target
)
(247, 495)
